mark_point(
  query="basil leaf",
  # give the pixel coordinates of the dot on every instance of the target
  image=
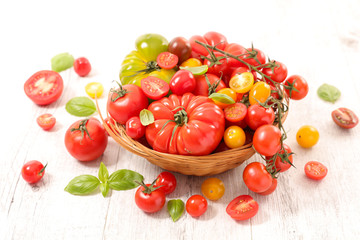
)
(103, 173)
(199, 70)
(124, 179)
(146, 117)
(82, 185)
(223, 98)
(104, 188)
(80, 106)
(328, 93)
(175, 208)
(62, 62)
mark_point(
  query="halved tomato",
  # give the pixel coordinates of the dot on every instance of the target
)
(235, 112)
(242, 208)
(46, 121)
(345, 118)
(154, 88)
(242, 83)
(167, 60)
(315, 170)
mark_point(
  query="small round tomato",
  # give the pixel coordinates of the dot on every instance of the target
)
(44, 87)
(46, 121)
(242, 83)
(216, 39)
(134, 128)
(167, 60)
(254, 57)
(235, 112)
(213, 188)
(236, 50)
(258, 115)
(197, 48)
(219, 69)
(259, 92)
(191, 62)
(296, 87)
(168, 182)
(266, 140)
(202, 87)
(154, 88)
(307, 136)
(94, 89)
(315, 170)
(148, 199)
(229, 92)
(182, 82)
(196, 205)
(82, 66)
(282, 165)
(181, 47)
(33, 171)
(271, 188)
(345, 118)
(277, 74)
(240, 70)
(256, 178)
(242, 207)
(234, 137)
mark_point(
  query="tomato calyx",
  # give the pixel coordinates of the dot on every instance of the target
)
(149, 189)
(120, 92)
(212, 87)
(291, 87)
(41, 173)
(82, 128)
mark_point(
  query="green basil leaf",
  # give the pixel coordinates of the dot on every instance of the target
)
(124, 179)
(62, 62)
(200, 70)
(80, 106)
(103, 173)
(82, 185)
(223, 98)
(328, 93)
(104, 188)
(175, 208)
(146, 117)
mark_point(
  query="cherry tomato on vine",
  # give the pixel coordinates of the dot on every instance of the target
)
(134, 128)
(236, 50)
(219, 69)
(202, 87)
(197, 48)
(256, 59)
(196, 205)
(235, 112)
(278, 74)
(258, 115)
(46, 121)
(229, 92)
(240, 70)
(280, 165)
(33, 171)
(242, 207)
(242, 83)
(213, 188)
(167, 60)
(260, 91)
(300, 84)
(234, 137)
(191, 62)
(307, 136)
(256, 178)
(168, 182)
(182, 82)
(315, 170)
(345, 118)
(216, 39)
(82, 66)
(267, 139)
(148, 199)
(181, 47)
(94, 89)
(154, 88)
(271, 188)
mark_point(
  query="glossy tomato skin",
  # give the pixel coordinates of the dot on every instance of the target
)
(234, 137)
(154, 88)
(266, 140)
(259, 92)
(191, 62)
(134, 128)
(278, 75)
(44, 87)
(32, 171)
(150, 203)
(168, 182)
(46, 121)
(181, 47)
(242, 207)
(235, 49)
(202, 88)
(151, 45)
(218, 69)
(213, 188)
(82, 66)
(182, 82)
(258, 115)
(196, 205)
(315, 170)
(243, 69)
(256, 178)
(271, 189)
(83, 146)
(216, 39)
(127, 106)
(300, 84)
(345, 118)
(197, 48)
(283, 166)
(260, 57)
(307, 136)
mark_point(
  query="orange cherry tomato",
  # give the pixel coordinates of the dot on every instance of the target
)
(191, 62)
(259, 92)
(229, 92)
(234, 137)
(242, 83)
(213, 188)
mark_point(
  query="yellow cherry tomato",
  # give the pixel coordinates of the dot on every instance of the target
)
(242, 83)
(94, 87)
(260, 92)
(234, 137)
(307, 136)
(191, 62)
(213, 188)
(229, 92)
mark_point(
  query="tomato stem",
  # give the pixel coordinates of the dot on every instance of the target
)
(82, 127)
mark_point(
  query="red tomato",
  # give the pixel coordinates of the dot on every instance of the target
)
(258, 115)
(167, 60)
(243, 69)
(278, 75)
(283, 165)
(86, 140)
(242, 207)
(46, 121)
(271, 189)
(134, 128)
(196, 126)
(44, 87)
(82, 66)
(315, 170)
(202, 87)
(345, 118)
(196, 205)
(33, 171)
(154, 88)
(181, 47)
(109, 122)
(149, 200)
(298, 83)
(216, 39)
(220, 69)
(197, 48)
(236, 50)
(126, 102)
(266, 140)
(168, 182)
(182, 82)
(258, 59)
(235, 112)
(256, 178)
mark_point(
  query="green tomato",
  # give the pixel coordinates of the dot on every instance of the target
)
(151, 45)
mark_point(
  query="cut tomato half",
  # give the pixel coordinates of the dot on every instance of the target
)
(46, 121)
(315, 170)
(154, 88)
(167, 60)
(345, 118)
(242, 83)
(235, 112)
(242, 208)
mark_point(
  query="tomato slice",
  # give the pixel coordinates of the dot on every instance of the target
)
(345, 118)
(315, 170)
(242, 207)
(46, 121)
(167, 60)
(242, 83)
(154, 88)
(235, 112)
(94, 89)
(44, 87)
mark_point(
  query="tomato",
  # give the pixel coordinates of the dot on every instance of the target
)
(202, 87)
(134, 128)
(191, 62)
(94, 89)
(151, 45)
(230, 93)
(44, 87)
(197, 48)
(154, 87)
(242, 83)
(86, 140)
(196, 205)
(126, 102)
(236, 50)
(216, 39)
(234, 137)
(256, 178)
(235, 112)
(300, 85)
(182, 82)
(258, 115)
(167, 60)
(243, 69)
(266, 140)
(168, 182)
(242, 207)
(82, 66)
(213, 189)
(33, 171)
(278, 74)
(219, 69)
(345, 118)
(148, 199)
(282, 165)
(307, 136)
(271, 189)
(46, 121)
(196, 125)
(315, 170)
(110, 123)
(260, 91)
(181, 47)
(258, 58)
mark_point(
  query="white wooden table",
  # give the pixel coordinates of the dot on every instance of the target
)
(318, 40)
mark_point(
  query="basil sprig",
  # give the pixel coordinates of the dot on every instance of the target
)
(328, 93)
(175, 208)
(62, 62)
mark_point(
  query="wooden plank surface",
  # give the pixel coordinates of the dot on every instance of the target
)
(316, 39)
